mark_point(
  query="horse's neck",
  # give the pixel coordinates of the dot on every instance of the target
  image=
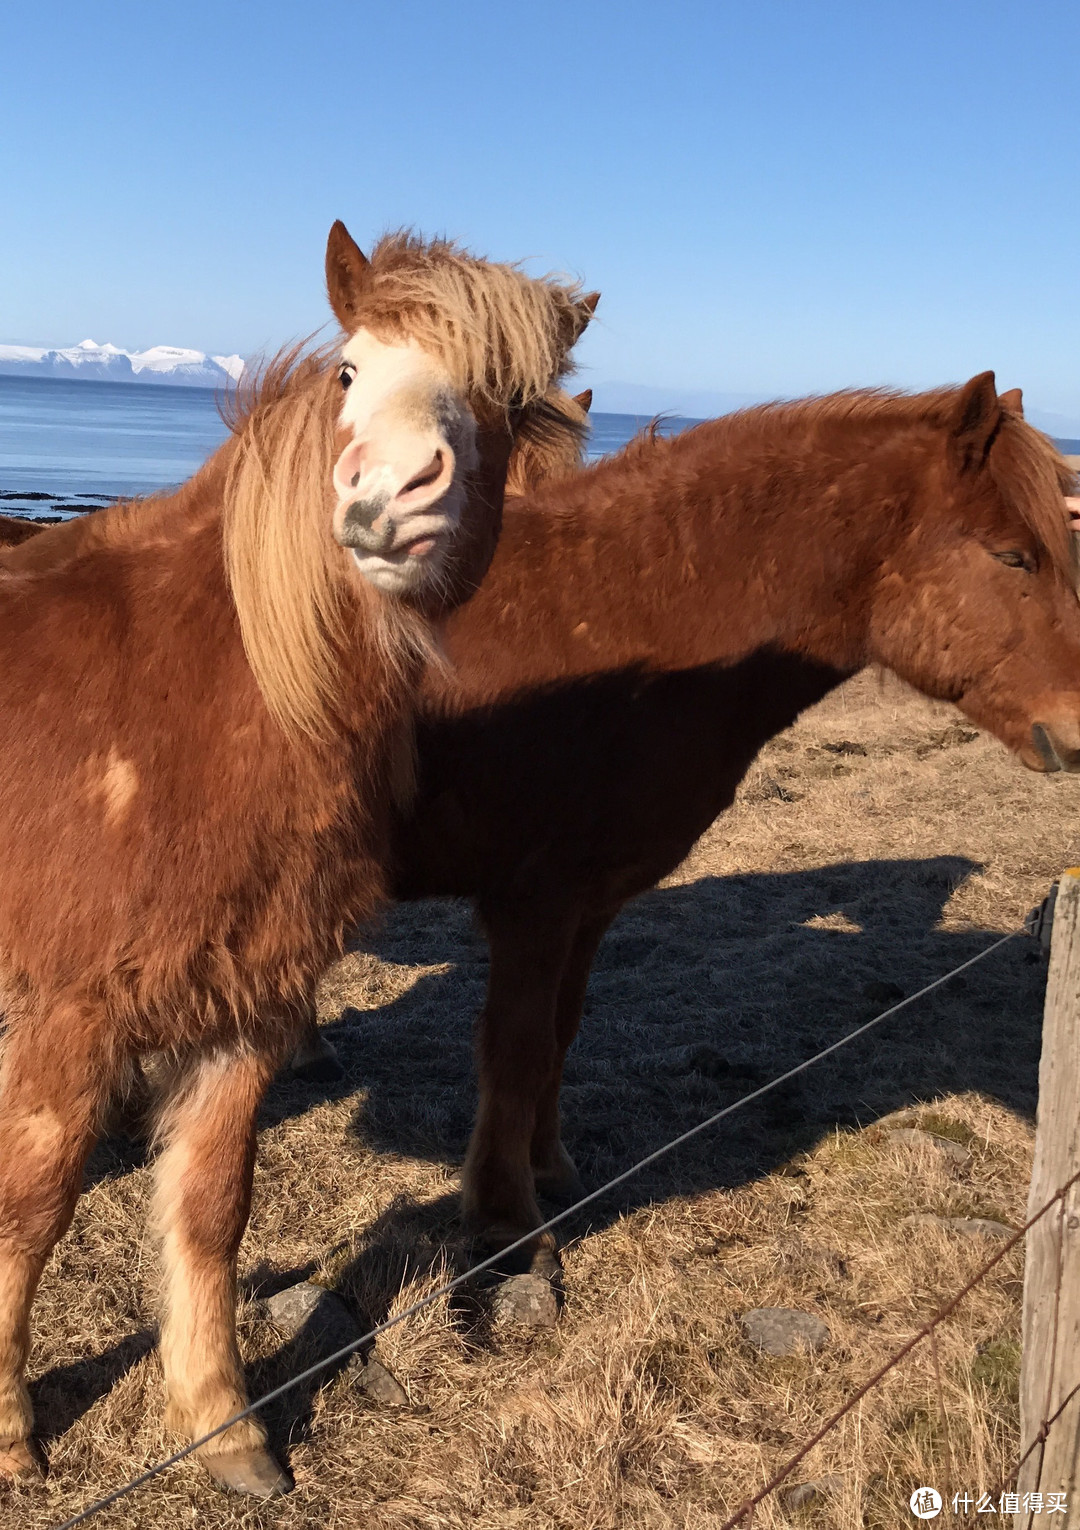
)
(673, 558)
(152, 574)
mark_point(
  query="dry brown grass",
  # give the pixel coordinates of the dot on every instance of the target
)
(836, 871)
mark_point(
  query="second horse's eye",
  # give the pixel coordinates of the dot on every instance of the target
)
(1015, 559)
(346, 375)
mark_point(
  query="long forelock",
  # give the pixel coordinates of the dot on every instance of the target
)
(502, 336)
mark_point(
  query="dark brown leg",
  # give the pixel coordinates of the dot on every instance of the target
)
(313, 1058)
(516, 1051)
(554, 1172)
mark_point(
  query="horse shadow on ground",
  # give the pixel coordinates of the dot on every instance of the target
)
(700, 993)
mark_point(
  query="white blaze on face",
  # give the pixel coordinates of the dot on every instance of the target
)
(410, 442)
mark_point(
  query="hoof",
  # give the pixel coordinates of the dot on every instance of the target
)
(540, 1256)
(20, 1462)
(254, 1472)
(317, 1063)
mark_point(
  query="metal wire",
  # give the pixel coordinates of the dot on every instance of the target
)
(749, 1504)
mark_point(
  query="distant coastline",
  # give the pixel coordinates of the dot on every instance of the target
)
(168, 365)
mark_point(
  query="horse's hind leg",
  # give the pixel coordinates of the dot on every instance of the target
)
(54, 1080)
(554, 1172)
(203, 1196)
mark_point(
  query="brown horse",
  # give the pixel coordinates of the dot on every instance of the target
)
(648, 624)
(207, 702)
(14, 530)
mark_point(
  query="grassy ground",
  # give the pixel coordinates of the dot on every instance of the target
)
(875, 846)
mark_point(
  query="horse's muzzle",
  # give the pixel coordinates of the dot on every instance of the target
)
(1054, 754)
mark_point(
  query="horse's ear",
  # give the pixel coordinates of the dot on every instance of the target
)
(584, 309)
(976, 416)
(348, 276)
(584, 400)
(1012, 400)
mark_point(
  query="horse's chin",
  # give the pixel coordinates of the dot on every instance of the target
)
(403, 574)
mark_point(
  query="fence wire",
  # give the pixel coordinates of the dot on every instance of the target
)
(562, 1216)
(927, 1331)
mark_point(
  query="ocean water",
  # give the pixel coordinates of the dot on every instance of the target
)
(67, 446)
(79, 441)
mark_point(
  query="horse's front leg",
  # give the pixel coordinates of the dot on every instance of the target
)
(516, 1050)
(554, 1171)
(203, 1196)
(314, 1059)
(54, 1080)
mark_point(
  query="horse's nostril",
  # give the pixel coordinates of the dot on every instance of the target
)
(354, 480)
(431, 474)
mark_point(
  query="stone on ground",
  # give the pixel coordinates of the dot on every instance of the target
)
(526, 1300)
(318, 1314)
(783, 1330)
(805, 1493)
(967, 1227)
(372, 1378)
(912, 1136)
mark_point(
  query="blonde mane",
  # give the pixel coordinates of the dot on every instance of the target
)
(503, 337)
(287, 585)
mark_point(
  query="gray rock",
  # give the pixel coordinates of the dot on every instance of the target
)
(912, 1136)
(372, 1378)
(320, 1315)
(783, 1330)
(805, 1493)
(967, 1227)
(526, 1300)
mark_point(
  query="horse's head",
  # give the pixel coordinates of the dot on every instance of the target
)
(446, 358)
(978, 602)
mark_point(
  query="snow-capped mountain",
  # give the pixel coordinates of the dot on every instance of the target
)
(159, 364)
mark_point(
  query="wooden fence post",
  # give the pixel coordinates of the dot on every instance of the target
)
(1050, 1367)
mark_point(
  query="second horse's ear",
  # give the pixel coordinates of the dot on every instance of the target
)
(584, 400)
(976, 415)
(1012, 400)
(348, 276)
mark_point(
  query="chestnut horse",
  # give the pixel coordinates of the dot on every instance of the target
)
(649, 623)
(207, 702)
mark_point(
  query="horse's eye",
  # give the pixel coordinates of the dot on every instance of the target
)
(346, 375)
(1012, 559)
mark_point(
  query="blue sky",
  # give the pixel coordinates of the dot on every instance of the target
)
(774, 197)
